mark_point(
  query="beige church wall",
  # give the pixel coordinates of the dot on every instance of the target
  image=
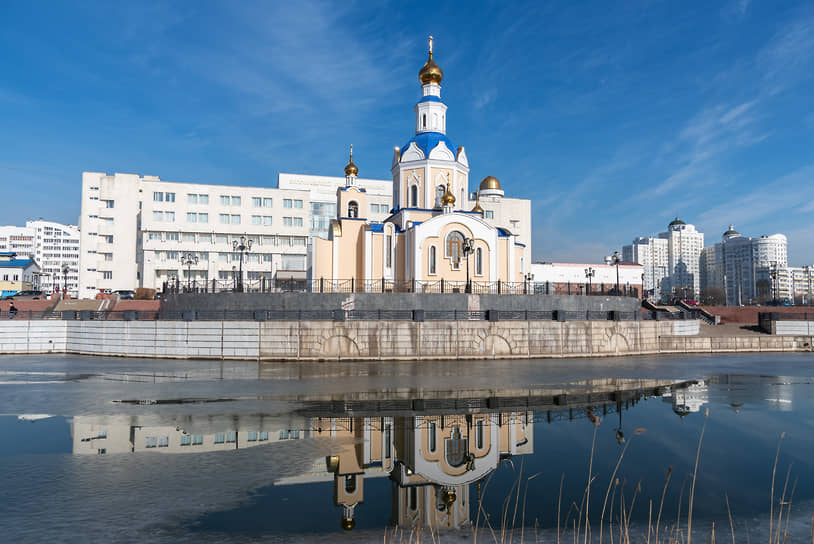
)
(407, 180)
(447, 174)
(350, 259)
(400, 272)
(348, 195)
(322, 265)
(487, 435)
(419, 216)
(377, 255)
(518, 271)
(503, 264)
(444, 268)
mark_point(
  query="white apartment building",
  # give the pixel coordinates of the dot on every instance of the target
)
(135, 230)
(54, 246)
(651, 253)
(671, 261)
(733, 264)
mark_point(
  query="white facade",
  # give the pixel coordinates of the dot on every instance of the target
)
(603, 277)
(651, 253)
(733, 264)
(136, 229)
(54, 246)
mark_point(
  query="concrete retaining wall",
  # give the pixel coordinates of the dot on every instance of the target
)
(375, 340)
(793, 328)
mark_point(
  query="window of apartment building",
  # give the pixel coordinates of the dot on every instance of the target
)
(224, 218)
(158, 216)
(172, 255)
(203, 256)
(108, 238)
(169, 217)
(203, 218)
(293, 262)
(298, 221)
(108, 256)
(158, 196)
(374, 208)
(189, 237)
(172, 236)
(253, 258)
(267, 203)
(235, 219)
(269, 241)
(108, 203)
(288, 221)
(298, 204)
(283, 241)
(106, 221)
(107, 275)
(221, 238)
(235, 201)
(257, 220)
(223, 257)
(257, 202)
(288, 203)
(192, 217)
(224, 200)
(298, 241)
(267, 220)
(267, 257)
(169, 197)
(154, 236)
(192, 198)
(489, 214)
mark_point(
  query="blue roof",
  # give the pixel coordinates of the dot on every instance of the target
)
(361, 189)
(427, 141)
(503, 233)
(16, 263)
(429, 98)
(377, 227)
(8, 253)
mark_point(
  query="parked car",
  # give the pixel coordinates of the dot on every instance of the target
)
(125, 294)
(26, 295)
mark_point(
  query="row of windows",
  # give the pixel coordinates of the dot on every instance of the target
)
(206, 238)
(159, 196)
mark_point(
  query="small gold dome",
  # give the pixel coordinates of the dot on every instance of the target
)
(431, 72)
(477, 208)
(490, 182)
(448, 199)
(351, 169)
(448, 497)
(348, 523)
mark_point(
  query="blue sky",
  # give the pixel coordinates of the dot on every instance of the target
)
(612, 117)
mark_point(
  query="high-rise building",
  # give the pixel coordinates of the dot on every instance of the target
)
(55, 248)
(733, 263)
(670, 261)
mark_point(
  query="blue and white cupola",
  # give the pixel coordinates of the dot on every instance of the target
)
(430, 111)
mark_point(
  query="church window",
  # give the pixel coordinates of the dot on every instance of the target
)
(479, 261)
(413, 498)
(454, 248)
(350, 483)
(439, 193)
(414, 196)
(433, 264)
(424, 121)
(479, 434)
(353, 209)
(389, 249)
(432, 437)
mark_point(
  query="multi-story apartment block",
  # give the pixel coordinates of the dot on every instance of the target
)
(671, 261)
(54, 246)
(137, 229)
(733, 265)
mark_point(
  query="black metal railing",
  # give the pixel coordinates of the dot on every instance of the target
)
(337, 315)
(353, 285)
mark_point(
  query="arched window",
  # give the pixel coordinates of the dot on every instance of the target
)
(424, 121)
(439, 193)
(353, 209)
(350, 483)
(433, 262)
(432, 437)
(454, 248)
(479, 262)
(414, 196)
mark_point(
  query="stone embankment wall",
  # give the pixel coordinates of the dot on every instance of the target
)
(375, 340)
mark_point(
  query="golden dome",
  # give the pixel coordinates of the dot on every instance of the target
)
(490, 182)
(351, 169)
(348, 523)
(431, 72)
(477, 208)
(448, 199)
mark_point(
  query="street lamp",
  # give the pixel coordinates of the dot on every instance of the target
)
(616, 258)
(189, 260)
(65, 270)
(243, 246)
(773, 275)
(467, 248)
(589, 273)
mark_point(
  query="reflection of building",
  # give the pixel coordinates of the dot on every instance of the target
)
(688, 398)
(432, 227)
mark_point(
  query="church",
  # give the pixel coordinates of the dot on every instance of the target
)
(438, 237)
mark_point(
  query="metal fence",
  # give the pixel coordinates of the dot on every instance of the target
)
(338, 315)
(353, 285)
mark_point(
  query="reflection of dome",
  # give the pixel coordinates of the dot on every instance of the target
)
(431, 72)
(448, 199)
(348, 523)
(676, 222)
(490, 182)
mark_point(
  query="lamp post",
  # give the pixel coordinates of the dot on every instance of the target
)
(616, 258)
(243, 246)
(65, 270)
(589, 273)
(189, 260)
(529, 277)
(234, 278)
(467, 248)
(773, 276)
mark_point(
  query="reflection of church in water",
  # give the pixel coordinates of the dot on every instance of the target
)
(430, 460)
